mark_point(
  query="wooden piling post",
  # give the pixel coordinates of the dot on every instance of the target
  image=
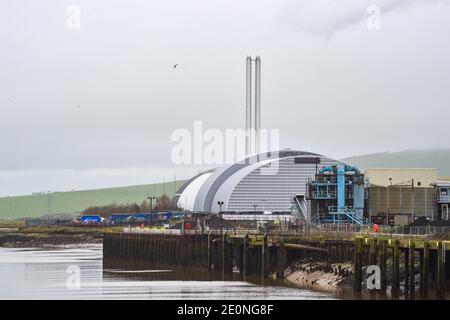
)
(224, 240)
(421, 271)
(160, 249)
(426, 265)
(175, 249)
(407, 273)
(156, 248)
(412, 269)
(383, 265)
(257, 259)
(153, 248)
(440, 274)
(229, 256)
(250, 260)
(187, 249)
(357, 285)
(263, 256)
(105, 246)
(179, 251)
(281, 255)
(396, 269)
(171, 249)
(164, 249)
(209, 250)
(129, 247)
(245, 256)
(373, 252)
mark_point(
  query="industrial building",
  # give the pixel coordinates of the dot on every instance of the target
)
(317, 188)
(263, 182)
(337, 194)
(397, 196)
(384, 177)
(272, 181)
(443, 198)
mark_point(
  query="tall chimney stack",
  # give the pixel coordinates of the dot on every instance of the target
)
(257, 101)
(248, 105)
(252, 132)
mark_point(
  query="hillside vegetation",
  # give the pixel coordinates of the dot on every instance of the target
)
(427, 158)
(74, 202)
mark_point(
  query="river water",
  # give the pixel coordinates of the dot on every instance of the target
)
(79, 273)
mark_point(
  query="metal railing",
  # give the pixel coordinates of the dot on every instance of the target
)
(324, 195)
(306, 230)
(347, 213)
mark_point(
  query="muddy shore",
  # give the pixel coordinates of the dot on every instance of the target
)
(17, 239)
(319, 276)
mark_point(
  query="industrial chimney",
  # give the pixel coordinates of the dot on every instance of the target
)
(257, 102)
(248, 105)
(252, 140)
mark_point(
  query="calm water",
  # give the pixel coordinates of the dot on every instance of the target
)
(53, 274)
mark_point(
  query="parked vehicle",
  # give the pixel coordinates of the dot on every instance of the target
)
(91, 219)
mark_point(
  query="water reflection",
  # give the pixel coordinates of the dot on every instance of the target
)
(42, 274)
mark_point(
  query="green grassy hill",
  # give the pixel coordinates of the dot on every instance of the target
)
(427, 158)
(74, 202)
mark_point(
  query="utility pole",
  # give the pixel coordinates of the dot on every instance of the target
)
(175, 184)
(388, 200)
(263, 204)
(413, 213)
(151, 198)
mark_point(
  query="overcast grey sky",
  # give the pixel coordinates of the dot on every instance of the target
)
(95, 107)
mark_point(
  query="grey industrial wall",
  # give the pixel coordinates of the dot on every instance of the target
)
(402, 200)
(274, 192)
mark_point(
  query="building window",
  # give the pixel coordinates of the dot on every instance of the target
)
(307, 160)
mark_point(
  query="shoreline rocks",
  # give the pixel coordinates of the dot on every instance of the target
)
(47, 240)
(320, 276)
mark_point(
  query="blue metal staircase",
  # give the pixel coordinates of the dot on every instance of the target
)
(347, 215)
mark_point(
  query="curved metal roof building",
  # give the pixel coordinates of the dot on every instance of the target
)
(266, 181)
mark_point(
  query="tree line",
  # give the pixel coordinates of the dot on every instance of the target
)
(163, 203)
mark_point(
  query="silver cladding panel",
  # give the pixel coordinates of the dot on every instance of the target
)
(274, 192)
(180, 190)
(204, 200)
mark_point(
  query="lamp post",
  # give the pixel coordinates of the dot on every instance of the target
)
(388, 200)
(151, 198)
(263, 204)
(413, 213)
(220, 203)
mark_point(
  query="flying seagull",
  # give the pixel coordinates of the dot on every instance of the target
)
(175, 66)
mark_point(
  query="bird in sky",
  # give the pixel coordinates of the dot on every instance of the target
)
(175, 65)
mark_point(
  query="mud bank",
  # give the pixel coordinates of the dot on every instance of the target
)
(48, 240)
(320, 276)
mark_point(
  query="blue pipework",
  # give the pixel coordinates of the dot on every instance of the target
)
(338, 194)
(347, 168)
(340, 190)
